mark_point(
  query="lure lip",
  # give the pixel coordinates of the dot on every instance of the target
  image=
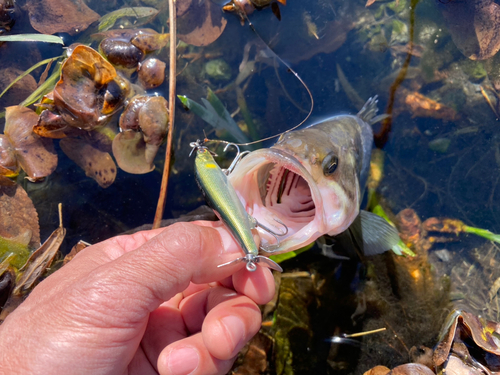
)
(248, 191)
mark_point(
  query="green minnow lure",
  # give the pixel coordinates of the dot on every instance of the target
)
(222, 198)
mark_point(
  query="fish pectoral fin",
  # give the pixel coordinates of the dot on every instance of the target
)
(373, 234)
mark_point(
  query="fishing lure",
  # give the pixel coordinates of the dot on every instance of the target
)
(222, 198)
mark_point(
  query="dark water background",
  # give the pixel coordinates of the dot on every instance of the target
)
(458, 182)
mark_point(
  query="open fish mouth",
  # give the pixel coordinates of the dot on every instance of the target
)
(274, 186)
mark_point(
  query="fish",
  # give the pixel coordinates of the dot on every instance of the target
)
(222, 198)
(313, 181)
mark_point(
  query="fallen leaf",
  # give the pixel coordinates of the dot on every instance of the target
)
(39, 261)
(18, 214)
(202, 24)
(75, 250)
(19, 91)
(36, 155)
(60, 16)
(97, 164)
(474, 26)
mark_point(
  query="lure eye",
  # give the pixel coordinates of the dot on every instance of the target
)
(329, 164)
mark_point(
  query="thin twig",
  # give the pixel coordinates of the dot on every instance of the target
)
(171, 115)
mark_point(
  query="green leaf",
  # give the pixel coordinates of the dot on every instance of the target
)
(214, 112)
(142, 14)
(43, 89)
(24, 74)
(31, 38)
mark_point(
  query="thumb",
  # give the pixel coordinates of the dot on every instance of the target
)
(140, 280)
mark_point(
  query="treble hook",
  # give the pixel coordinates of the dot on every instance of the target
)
(256, 224)
(236, 159)
(252, 260)
(199, 145)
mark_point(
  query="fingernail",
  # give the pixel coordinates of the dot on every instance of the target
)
(183, 361)
(236, 330)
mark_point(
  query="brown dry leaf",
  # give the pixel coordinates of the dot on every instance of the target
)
(369, 2)
(39, 261)
(97, 164)
(182, 7)
(75, 250)
(76, 97)
(20, 91)
(60, 16)
(474, 26)
(18, 214)
(129, 150)
(36, 155)
(202, 24)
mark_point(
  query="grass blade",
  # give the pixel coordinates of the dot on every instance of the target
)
(21, 76)
(31, 38)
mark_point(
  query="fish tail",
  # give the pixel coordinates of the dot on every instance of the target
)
(369, 111)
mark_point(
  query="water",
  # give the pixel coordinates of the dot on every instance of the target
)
(439, 162)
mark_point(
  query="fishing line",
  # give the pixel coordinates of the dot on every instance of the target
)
(290, 70)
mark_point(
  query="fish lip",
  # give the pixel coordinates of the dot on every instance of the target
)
(251, 164)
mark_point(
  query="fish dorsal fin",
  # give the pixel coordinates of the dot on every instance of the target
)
(369, 112)
(372, 233)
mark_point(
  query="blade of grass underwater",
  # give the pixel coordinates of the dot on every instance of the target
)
(46, 87)
(107, 21)
(483, 233)
(31, 38)
(211, 115)
(24, 74)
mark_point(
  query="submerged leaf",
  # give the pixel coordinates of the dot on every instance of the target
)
(60, 16)
(474, 26)
(18, 214)
(31, 38)
(214, 112)
(17, 83)
(36, 155)
(141, 14)
(97, 164)
(26, 73)
(202, 24)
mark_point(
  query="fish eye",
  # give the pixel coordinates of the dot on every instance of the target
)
(329, 164)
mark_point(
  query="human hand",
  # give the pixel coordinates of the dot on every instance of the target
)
(140, 304)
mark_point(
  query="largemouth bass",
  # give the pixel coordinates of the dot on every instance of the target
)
(313, 181)
(222, 198)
